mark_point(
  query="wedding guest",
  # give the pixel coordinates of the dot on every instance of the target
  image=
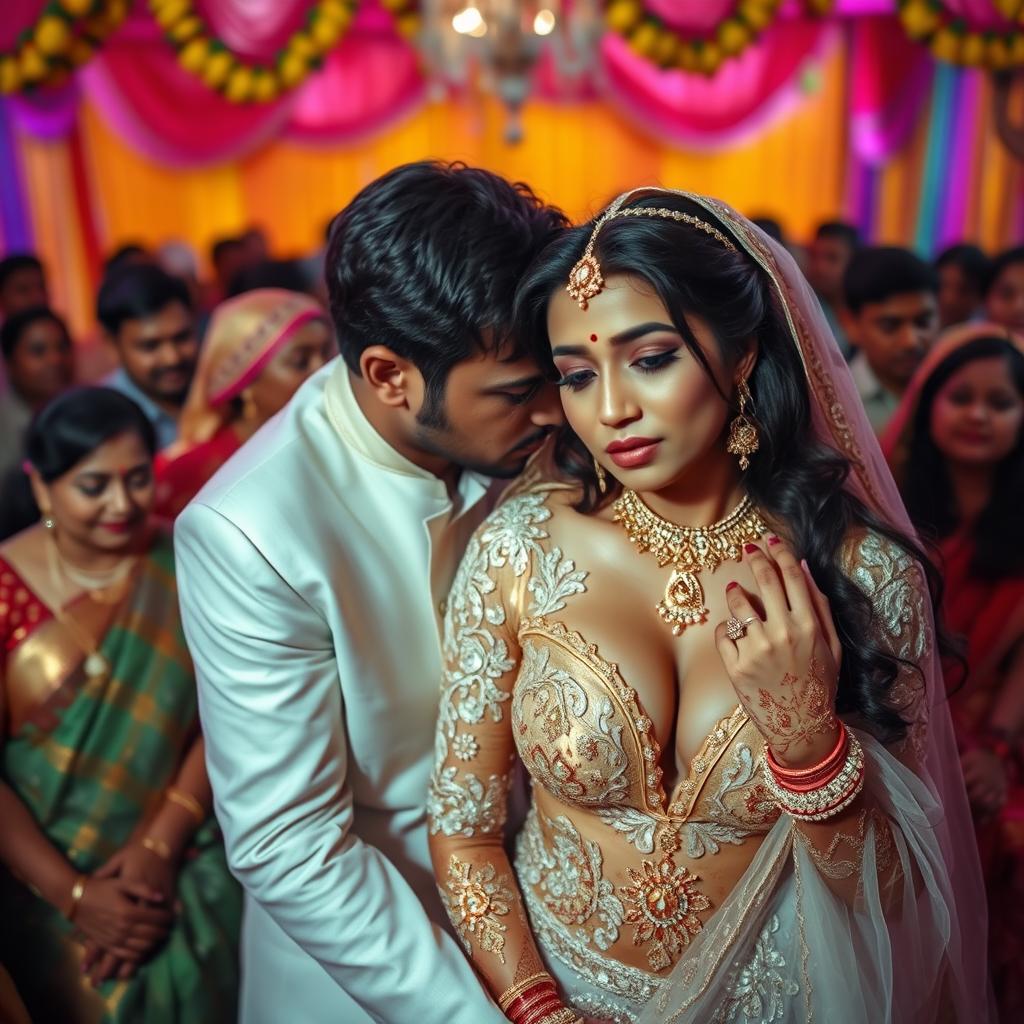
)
(40, 364)
(835, 243)
(22, 283)
(956, 445)
(147, 316)
(260, 348)
(893, 322)
(963, 272)
(1004, 296)
(118, 904)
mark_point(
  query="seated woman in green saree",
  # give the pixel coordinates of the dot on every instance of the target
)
(116, 896)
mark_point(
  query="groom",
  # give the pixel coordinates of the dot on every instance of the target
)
(313, 571)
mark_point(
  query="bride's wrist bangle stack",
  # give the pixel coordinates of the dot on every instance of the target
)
(823, 790)
(534, 1000)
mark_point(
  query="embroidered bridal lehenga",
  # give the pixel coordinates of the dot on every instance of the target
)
(646, 903)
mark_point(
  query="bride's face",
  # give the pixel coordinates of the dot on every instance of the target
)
(631, 389)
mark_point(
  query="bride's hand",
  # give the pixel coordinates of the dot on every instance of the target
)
(785, 669)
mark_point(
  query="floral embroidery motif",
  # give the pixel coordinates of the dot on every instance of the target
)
(899, 595)
(466, 807)
(759, 990)
(474, 905)
(569, 875)
(665, 904)
(465, 746)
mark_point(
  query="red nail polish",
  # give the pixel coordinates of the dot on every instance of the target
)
(773, 540)
(731, 586)
(750, 548)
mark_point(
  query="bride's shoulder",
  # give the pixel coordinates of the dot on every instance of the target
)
(873, 561)
(894, 581)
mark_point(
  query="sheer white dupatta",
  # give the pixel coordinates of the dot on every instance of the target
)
(783, 946)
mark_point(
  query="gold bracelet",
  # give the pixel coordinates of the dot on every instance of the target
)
(518, 989)
(157, 846)
(186, 801)
(563, 1016)
(77, 892)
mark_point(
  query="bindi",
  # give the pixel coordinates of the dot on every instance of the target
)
(593, 337)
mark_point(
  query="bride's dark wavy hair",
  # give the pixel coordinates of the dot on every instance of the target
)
(794, 478)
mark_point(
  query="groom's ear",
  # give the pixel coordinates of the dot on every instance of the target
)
(392, 378)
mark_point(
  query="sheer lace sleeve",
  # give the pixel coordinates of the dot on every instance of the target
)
(901, 626)
(506, 573)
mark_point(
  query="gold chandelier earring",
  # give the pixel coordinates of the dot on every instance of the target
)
(602, 477)
(743, 439)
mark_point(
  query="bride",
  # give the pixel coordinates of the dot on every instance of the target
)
(704, 627)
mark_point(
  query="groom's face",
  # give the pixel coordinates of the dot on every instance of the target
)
(492, 416)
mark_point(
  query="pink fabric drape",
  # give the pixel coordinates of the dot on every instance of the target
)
(373, 77)
(707, 112)
(890, 81)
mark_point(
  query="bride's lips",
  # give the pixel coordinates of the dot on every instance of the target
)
(633, 452)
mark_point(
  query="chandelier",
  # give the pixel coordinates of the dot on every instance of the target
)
(500, 44)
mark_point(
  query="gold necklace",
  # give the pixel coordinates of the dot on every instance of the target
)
(96, 664)
(689, 549)
(105, 588)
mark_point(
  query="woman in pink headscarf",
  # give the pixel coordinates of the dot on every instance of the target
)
(956, 446)
(260, 348)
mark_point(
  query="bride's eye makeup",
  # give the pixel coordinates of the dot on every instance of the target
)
(657, 361)
(575, 380)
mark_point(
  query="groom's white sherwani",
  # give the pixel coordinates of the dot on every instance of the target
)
(312, 571)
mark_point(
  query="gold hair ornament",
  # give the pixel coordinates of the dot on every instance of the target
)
(585, 280)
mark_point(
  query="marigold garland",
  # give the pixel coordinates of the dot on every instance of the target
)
(651, 39)
(242, 81)
(950, 38)
(65, 36)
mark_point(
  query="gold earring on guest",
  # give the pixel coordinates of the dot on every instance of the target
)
(743, 438)
(602, 477)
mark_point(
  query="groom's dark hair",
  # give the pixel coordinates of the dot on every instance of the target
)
(426, 259)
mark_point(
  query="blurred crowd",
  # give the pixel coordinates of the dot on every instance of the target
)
(934, 349)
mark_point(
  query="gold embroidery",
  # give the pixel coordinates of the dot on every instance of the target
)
(475, 904)
(665, 905)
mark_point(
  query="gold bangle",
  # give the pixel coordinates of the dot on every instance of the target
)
(186, 801)
(77, 892)
(157, 846)
(518, 989)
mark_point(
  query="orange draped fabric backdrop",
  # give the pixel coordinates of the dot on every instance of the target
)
(575, 155)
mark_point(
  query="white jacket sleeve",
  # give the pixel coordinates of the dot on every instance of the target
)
(273, 720)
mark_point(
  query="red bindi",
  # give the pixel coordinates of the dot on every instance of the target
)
(593, 337)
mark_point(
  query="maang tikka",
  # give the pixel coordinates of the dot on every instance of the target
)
(743, 439)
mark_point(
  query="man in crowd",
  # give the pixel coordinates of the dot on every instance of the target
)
(963, 274)
(22, 284)
(313, 571)
(147, 316)
(1004, 291)
(893, 320)
(828, 256)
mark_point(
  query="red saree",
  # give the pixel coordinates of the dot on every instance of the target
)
(990, 614)
(180, 478)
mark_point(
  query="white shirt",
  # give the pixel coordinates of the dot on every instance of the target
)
(312, 570)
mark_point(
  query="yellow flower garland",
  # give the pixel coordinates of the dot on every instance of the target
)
(241, 81)
(950, 40)
(661, 45)
(65, 36)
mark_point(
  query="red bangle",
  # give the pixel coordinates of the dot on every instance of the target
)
(543, 1012)
(536, 1013)
(524, 1004)
(823, 769)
